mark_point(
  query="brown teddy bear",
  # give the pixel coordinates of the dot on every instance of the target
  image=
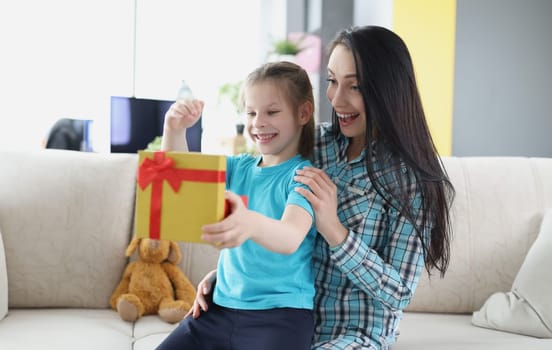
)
(154, 284)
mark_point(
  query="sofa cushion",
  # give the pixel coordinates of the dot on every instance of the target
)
(3, 281)
(149, 332)
(66, 221)
(527, 308)
(65, 329)
(435, 331)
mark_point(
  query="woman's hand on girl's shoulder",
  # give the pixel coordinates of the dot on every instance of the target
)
(322, 195)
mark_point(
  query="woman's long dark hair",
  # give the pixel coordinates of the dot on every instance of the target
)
(396, 121)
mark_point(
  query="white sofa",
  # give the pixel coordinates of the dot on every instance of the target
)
(66, 218)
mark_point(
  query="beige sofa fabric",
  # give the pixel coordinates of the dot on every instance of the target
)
(527, 308)
(65, 329)
(66, 218)
(3, 281)
(437, 331)
(197, 260)
(496, 218)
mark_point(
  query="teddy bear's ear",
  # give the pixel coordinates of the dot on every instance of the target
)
(132, 246)
(175, 254)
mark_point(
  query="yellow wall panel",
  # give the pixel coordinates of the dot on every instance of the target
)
(428, 27)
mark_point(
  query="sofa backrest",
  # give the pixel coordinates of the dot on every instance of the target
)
(66, 219)
(498, 209)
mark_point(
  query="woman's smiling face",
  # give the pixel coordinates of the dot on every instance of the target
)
(344, 94)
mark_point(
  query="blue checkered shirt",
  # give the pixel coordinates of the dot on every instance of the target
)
(363, 284)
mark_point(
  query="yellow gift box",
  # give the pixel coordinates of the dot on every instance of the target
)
(177, 193)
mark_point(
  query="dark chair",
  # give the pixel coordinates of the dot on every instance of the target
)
(67, 134)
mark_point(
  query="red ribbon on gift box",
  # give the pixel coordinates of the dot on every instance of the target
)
(161, 168)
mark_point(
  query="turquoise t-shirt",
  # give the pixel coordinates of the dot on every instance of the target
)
(250, 276)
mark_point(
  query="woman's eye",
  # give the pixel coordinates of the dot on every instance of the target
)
(331, 81)
(355, 88)
(250, 114)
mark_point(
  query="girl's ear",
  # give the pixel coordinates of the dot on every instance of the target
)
(305, 112)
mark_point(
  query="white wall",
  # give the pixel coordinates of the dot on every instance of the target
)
(207, 43)
(503, 78)
(374, 12)
(60, 58)
(65, 58)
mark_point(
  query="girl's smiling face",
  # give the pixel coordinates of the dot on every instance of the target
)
(272, 123)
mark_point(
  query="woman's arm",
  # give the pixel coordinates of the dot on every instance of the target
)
(389, 276)
(322, 195)
(204, 294)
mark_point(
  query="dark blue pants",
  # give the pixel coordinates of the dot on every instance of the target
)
(222, 328)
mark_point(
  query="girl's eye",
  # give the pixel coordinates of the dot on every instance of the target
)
(331, 81)
(250, 114)
(355, 88)
(272, 112)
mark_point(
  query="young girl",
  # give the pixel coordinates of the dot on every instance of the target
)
(263, 297)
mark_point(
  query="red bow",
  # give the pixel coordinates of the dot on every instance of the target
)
(160, 168)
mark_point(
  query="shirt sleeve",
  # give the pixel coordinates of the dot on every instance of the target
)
(296, 198)
(389, 275)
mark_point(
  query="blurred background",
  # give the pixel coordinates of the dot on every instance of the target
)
(483, 66)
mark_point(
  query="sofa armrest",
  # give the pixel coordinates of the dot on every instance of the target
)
(3, 281)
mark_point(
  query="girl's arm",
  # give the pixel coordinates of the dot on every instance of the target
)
(181, 115)
(282, 236)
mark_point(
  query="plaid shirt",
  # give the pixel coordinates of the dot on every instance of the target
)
(362, 285)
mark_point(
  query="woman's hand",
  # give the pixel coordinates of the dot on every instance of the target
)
(183, 114)
(323, 199)
(234, 229)
(204, 295)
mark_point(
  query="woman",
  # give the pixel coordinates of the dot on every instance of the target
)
(379, 191)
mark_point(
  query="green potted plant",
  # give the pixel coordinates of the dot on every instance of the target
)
(286, 47)
(231, 92)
